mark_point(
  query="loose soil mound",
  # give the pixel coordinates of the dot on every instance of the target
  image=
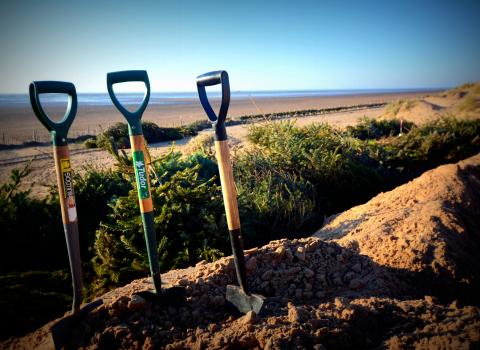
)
(307, 271)
(429, 227)
(355, 292)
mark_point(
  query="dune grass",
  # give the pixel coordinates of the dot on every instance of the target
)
(392, 108)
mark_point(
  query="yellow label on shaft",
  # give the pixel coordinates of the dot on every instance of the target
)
(67, 178)
(65, 165)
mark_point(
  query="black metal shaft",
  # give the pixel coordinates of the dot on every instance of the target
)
(239, 258)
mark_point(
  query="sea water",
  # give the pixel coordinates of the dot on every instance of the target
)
(175, 98)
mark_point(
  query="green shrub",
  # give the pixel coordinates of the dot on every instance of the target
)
(30, 299)
(32, 239)
(442, 141)
(32, 233)
(272, 204)
(153, 133)
(90, 143)
(370, 128)
(95, 191)
(202, 143)
(173, 162)
(189, 223)
(118, 133)
(334, 164)
(193, 128)
(294, 177)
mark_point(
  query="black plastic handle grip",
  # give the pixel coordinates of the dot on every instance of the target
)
(54, 87)
(133, 118)
(127, 75)
(209, 79)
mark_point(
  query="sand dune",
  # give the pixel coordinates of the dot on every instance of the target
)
(462, 102)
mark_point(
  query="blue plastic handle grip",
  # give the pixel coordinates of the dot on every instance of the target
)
(133, 118)
(60, 128)
(209, 79)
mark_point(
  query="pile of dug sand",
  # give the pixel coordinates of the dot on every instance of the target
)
(429, 228)
(354, 290)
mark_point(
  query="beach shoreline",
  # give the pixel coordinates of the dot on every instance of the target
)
(42, 172)
(19, 124)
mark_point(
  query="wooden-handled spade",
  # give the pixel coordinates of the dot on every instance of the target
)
(241, 297)
(174, 294)
(63, 168)
(59, 130)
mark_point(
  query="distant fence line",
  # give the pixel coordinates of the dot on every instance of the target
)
(41, 135)
(38, 136)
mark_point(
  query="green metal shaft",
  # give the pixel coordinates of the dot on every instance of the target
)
(145, 202)
(139, 163)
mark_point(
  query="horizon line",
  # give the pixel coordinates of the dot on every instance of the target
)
(431, 88)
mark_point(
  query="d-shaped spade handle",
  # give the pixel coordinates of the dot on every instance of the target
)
(209, 79)
(59, 130)
(133, 118)
(139, 157)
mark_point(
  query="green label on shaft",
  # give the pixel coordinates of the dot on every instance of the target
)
(141, 174)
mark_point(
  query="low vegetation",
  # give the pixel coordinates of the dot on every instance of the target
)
(370, 128)
(288, 181)
(118, 134)
(189, 222)
(394, 107)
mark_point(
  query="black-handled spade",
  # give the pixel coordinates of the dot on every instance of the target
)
(140, 157)
(240, 297)
(61, 331)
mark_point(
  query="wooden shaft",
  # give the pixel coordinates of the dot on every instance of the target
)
(231, 209)
(66, 194)
(141, 173)
(228, 185)
(68, 207)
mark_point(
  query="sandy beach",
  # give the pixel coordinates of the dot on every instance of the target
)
(18, 121)
(95, 118)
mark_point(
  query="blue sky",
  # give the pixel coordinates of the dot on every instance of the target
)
(262, 44)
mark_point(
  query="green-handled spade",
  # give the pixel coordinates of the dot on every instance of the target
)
(241, 297)
(174, 294)
(59, 130)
